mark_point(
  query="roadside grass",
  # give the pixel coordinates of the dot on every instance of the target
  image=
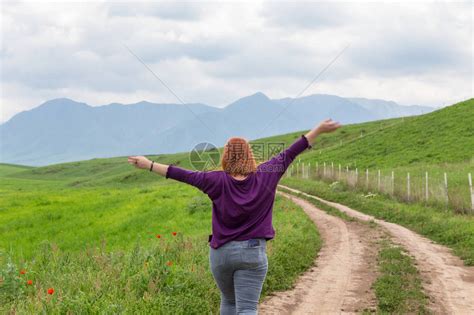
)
(453, 230)
(398, 287)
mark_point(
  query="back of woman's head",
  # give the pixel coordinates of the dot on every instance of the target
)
(237, 158)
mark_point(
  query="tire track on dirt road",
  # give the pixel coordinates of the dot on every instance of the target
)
(448, 283)
(343, 273)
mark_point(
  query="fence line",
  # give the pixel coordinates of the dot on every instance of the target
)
(420, 188)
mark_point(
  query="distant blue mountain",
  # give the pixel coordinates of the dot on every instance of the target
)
(62, 130)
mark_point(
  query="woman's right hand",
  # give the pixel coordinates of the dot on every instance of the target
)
(327, 126)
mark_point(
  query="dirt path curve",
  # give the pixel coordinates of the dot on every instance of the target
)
(340, 282)
(447, 281)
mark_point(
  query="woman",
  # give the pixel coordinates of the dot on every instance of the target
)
(242, 197)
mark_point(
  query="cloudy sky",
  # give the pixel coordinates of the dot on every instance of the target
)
(215, 53)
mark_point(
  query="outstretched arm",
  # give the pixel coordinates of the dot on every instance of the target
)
(144, 163)
(280, 162)
(207, 182)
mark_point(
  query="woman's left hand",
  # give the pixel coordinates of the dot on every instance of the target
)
(139, 161)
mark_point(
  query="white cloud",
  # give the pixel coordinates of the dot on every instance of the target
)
(215, 53)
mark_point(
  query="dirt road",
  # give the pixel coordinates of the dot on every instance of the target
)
(343, 273)
(448, 283)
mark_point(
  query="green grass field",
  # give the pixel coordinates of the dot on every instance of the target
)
(90, 229)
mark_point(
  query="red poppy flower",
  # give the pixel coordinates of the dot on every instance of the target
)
(29, 282)
(22, 271)
(158, 236)
(174, 233)
(50, 291)
(169, 263)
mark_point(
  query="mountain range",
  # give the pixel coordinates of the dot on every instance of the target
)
(63, 130)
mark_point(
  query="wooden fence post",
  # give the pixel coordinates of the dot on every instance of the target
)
(446, 187)
(339, 177)
(332, 170)
(378, 181)
(297, 169)
(367, 178)
(393, 182)
(472, 192)
(309, 168)
(357, 176)
(324, 169)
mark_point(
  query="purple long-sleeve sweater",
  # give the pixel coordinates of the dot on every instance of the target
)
(241, 209)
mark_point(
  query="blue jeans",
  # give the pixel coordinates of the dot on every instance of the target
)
(240, 268)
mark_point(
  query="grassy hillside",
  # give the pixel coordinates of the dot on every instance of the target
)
(6, 169)
(443, 136)
(438, 142)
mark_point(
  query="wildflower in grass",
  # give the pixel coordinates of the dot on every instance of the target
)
(29, 282)
(50, 291)
(22, 271)
(174, 233)
(169, 263)
(369, 195)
